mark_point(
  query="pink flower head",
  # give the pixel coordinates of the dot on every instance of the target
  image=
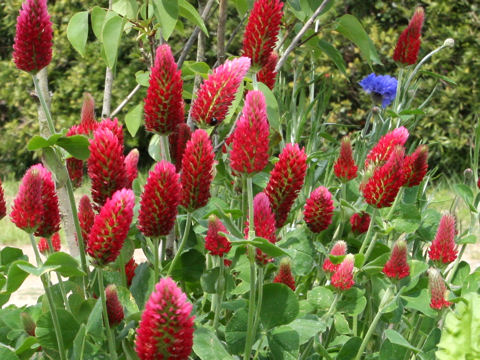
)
(250, 139)
(397, 266)
(217, 92)
(51, 214)
(438, 290)
(44, 247)
(415, 166)
(32, 50)
(264, 224)
(267, 74)
(86, 216)
(345, 168)
(197, 171)
(443, 246)
(408, 45)
(88, 123)
(262, 30)
(130, 267)
(106, 166)
(381, 152)
(339, 248)
(3, 206)
(27, 211)
(110, 227)
(382, 187)
(284, 275)
(286, 180)
(360, 222)
(114, 126)
(215, 243)
(159, 201)
(164, 106)
(114, 307)
(177, 143)
(342, 278)
(166, 328)
(131, 162)
(318, 211)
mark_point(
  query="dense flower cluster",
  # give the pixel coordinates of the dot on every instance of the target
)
(284, 274)
(318, 210)
(3, 205)
(177, 143)
(215, 243)
(114, 307)
(267, 74)
(438, 290)
(397, 266)
(345, 168)
(383, 149)
(342, 278)
(131, 162)
(44, 247)
(408, 45)
(443, 246)
(86, 216)
(339, 248)
(360, 222)
(130, 267)
(415, 166)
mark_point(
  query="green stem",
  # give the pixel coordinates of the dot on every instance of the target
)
(165, 148)
(50, 303)
(60, 281)
(260, 281)
(332, 306)
(395, 202)
(122, 269)
(156, 261)
(414, 334)
(452, 272)
(44, 105)
(182, 243)
(370, 248)
(369, 231)
(373, 325)
(110, 338)
(219, 294)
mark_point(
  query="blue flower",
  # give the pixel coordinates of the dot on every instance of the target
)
(382, 87)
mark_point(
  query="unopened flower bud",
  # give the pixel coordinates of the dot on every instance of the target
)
(449, 42)
(468, 174)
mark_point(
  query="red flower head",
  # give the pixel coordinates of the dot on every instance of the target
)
(166, 328)
(286, 180)
(110, 227)
(159, 201)
(44, 247)
(51, 214)
(217, 92)
(88, 123)
(106, 166)
(250, 139)
(345, 168)
(114, 126)
(114, 307)
(27, 211)
(131, 162)
(381, 152)
(215, 243)
(408, 44)
(339, 248)
(267, 74)
(342, 279)
(74, 165)
(264, 224)
(28, 323)
(164, 106)
(262, 30)
(415, 166)
(382, 187)
(86, 216)
(284, 275)
(443, 246)
(3, 206)
(130, 267)
(177, 141)
(360, 222)
(197, 173)
(318, 211)
(438, 290)
(32, 50)
(397, 266)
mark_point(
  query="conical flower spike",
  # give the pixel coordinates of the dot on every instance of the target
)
(166, 328)
(32, 50)
(345, 168)
(262, 30)
(397, 266)
(443, 246)
(159, 202)
(114, 307)
(342, 279)
(110, 227)
(197, 171)
(44, 247)
(164, 106)
(250, 139)
(438, 290)
(217, 92)
(114, 126)
(286, 180)
(408, 45)
(177, 143)
(284, 275)
(130, 267)
(318, 211)
(381, 152)
(215, 243)
(3, 206)
(339, 248)
(131, 163)
(267, 74)
(360, 222)
(86, 216)
(415, 166)
(88, 123)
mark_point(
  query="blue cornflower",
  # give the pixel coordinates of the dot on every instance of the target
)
(382, 87)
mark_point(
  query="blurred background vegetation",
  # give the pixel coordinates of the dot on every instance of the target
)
(447, 124)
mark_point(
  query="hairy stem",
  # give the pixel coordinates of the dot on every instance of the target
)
(110, 337)
(182, 243)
